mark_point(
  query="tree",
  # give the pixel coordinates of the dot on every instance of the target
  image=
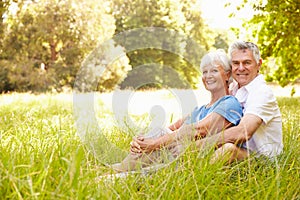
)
(41, 42)
(49, 39)
(220, 42)
(276, 25)
(4, 5)
(179, 16)
(4, 83)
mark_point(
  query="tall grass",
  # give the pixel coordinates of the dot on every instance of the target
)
(42, 158)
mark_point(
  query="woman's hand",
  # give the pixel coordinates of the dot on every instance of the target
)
(134, 145)
(144, 145)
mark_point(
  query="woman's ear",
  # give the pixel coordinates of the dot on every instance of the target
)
(228, 74)
(229, 77)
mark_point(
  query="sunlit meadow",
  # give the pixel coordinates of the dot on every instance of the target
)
(41, 157)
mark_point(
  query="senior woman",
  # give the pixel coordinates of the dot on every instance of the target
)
(221, 112)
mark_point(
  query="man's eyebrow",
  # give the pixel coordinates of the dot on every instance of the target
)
(241, 60)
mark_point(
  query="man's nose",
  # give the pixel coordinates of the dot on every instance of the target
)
(241, 66)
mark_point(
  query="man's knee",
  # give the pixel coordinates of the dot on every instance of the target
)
(227, 152)
(232, 152)
(228, 147)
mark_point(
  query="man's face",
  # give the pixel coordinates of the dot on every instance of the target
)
(244, 66)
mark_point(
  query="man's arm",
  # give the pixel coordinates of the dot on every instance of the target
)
(237, 134)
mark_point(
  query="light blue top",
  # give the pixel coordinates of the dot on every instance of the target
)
(227, 106)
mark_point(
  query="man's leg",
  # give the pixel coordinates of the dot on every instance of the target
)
(229, 152)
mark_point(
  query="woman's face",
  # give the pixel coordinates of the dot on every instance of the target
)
(214, 77)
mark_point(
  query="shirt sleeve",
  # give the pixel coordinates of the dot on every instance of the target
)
(197, 114)
(230, 109)
(262, 104)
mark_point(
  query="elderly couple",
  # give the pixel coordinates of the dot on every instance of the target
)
(242, 117)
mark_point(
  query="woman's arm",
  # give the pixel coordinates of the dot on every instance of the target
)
(177, 124)
(211, 124)
(155, 143)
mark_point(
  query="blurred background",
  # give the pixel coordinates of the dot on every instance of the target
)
(44, 42)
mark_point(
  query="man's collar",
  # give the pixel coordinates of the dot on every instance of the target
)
(234, 86)
(258, 79)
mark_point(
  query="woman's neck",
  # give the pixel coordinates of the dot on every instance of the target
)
(215, 96)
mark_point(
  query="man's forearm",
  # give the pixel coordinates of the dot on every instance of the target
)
(209, 142)
(232, 135)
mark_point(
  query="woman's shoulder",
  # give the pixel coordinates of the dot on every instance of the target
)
(229, 101)
(229, 98)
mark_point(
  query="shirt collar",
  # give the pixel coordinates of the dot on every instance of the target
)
(259, 79)
(233, 88)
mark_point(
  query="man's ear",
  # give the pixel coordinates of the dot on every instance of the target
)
(259, 64)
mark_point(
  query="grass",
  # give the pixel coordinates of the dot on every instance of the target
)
(41, 157)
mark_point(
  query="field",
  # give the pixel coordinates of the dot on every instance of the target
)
(43, 157)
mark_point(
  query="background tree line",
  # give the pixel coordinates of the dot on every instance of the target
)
(44, 42)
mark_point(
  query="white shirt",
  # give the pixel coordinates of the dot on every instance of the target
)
(258, 99)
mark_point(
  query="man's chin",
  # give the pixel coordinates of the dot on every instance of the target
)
(242, 82)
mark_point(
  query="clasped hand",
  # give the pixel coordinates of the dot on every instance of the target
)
(143, 145)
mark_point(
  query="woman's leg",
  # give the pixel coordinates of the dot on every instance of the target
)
(134, 161)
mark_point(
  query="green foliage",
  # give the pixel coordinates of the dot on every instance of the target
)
(42, 158)
(180, 16)
(103, 68)
(4, 4)
(276, 25)
(4, 83)
(40, 34)
(49, 39)
(220, 42)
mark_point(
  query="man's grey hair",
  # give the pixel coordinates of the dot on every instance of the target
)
(216, 57)
(241, 45)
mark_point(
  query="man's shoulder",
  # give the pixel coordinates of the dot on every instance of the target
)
(259, 87)
(261, 91)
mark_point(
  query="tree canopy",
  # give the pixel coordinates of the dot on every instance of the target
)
(276, 27)
(179, 15)
(49, 39)
(44, 43)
